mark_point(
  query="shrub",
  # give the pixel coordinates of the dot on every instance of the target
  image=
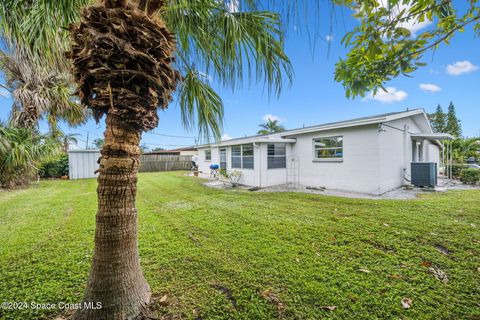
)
(470, 176)
(21, 151)
(55, 168)
(456, 170)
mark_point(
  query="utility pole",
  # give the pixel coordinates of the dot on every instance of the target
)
(86, 147)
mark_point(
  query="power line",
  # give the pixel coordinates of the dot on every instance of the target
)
(171, 136)
(168, 145)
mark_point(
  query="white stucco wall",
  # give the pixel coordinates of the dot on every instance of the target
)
(395, 145)
(433, 153)
(203, 164)
(357, 172)
(270, 177)
(395, 154)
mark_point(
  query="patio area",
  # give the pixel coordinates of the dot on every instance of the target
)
(403, 193)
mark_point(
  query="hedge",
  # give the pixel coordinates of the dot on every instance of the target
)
(470, 176)
(55, 168)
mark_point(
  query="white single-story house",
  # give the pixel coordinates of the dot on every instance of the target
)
(369, 155)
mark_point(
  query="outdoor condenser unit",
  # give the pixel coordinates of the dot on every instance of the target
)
(424, 174)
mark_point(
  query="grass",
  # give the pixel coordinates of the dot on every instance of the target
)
(244, 255)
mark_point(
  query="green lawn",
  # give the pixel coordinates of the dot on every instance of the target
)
(244, 255)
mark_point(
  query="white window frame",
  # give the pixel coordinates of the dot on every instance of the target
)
(242, 156)
(314, 150)
(208, 159)
(277, 156)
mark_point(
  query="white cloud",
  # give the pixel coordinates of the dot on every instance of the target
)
(329, 38)
(413, 24)
(233, 6)
(429, 87)
(272, 117)
(391, 95)
(4, 93)
(461, 67)
(225, 136)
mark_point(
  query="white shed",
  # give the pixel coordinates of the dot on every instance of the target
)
(82, 163)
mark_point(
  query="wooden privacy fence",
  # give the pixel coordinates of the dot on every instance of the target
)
(161, 162)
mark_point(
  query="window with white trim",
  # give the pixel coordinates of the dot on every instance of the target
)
(328, 148)
(276, 156)
(208, 155)
(242, 156)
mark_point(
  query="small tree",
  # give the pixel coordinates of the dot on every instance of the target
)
(453, 123)
(438, 120)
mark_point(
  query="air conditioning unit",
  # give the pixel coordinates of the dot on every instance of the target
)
(424, 174)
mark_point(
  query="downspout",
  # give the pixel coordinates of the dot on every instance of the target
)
(379, 160)
(257, 146)
(405, 152)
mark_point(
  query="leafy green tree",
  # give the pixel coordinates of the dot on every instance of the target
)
(438, 120)
(21, 151)
(271, 126)
(381, 47)
(128, 58)
(453, 123)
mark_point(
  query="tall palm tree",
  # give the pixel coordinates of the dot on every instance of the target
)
(129, 58)
(39, 92)
(271, 126)
(68, 138)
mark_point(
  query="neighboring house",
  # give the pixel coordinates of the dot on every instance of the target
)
(174, 152)
(370, 155)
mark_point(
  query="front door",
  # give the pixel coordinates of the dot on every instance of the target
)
(223, 158)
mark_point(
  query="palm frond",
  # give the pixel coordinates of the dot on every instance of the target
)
(40, 26)
(200, 104)
(39, 93)
(230, 46)
(21, 150)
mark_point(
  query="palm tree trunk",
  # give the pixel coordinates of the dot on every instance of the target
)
(116, 280)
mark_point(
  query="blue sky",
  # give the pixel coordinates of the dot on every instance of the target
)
(452, 74)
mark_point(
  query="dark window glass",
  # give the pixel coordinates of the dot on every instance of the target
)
(247, 150)
(237, 157)
(277, 158)
(236, 162)
(223, 158)
(208, 155)
(247, 156)
(242, 156)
